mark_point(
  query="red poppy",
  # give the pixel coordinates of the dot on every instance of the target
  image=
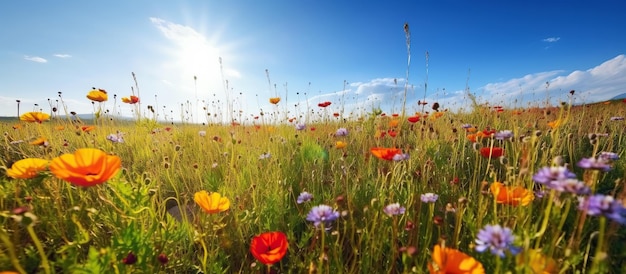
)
(395, 115)
(385, 153)
(491, 152)
(392, 133)
(269, 247)
(324, 104)
(336, 114)
(413, 119)
(487, 132)
(132, 100)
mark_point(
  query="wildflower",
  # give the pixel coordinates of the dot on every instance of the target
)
(617, 118)
(573, 186)
(595, 164)
(27, 168)
(467, 126)
(324, 104)
(274, 100)
(511, 195)
(86, 167)
(202, 133)
(211, 203)
(394, 123)
(554, 124)
(97, 95)
(448, 260)
(162, 258)
(116, 138)
(394, 209)
(429, 197)
(537, 262)
(400, 157)
(551, 176)
(491, 152)
(265, 155)
(341, 132)
(385, 153)
(269, 247)
(300, 126)
(504, 135)
(132, 100)
(87, 128)
(304, 197)
(608, 156)
(413, 119)
(41, 141)
(33, 117)
(131, 258)
(497, 239)
(340, 144)
(322, 214)
(606, 205)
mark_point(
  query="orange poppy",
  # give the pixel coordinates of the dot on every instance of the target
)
(87, 128)
(86, 167)
(27, 168)
(448, 260)
(511, 195)
(472, 137)
(35, 116)
(269, 247)
(211, 203)
(491, 152)
(274, 100)
(41, 141)
(97, 95)
(132, 100)
(554, 124)
(385, 153)
(340, 144)
(436, 115)
(394, 123)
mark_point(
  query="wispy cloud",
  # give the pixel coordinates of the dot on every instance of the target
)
(62, 55)
(552, 39)
(35, 59)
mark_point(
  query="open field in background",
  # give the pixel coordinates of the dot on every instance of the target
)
(460, 192)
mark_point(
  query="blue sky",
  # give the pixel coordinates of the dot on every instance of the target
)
(352, 53)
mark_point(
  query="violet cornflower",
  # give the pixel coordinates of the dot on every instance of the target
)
(304, 197)
(617, 118)
(550, 176)
(400, 157)
(394, 209)
(116, 138)
(573, 186)
(300, 126)
(322, 214)
(497, 239)
(599, 204)
(341, 132)
(429, 197)
(504, 135)
(595, 164)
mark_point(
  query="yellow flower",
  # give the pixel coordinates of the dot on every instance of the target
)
(211, 203)
(98, 95)
(538, 262)
(86, 167)
(27, 168)
(448, 260)
(32, 117)
(340, 144)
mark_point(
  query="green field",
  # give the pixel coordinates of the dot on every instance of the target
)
(148, 216)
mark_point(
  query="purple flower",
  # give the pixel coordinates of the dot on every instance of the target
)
(429, 197)
(617, 118)
(304, 197)
(400, 157)
(504, 135)
(394, 209)
(608, 156)
(322, 213)
(599, 204)
(341, 132)
(202, 133)
(265, 155)
(300, 126)
(497, 239)
(550, 176)
(466, 126)
(116, 138)
(573, 186)
(595, 164)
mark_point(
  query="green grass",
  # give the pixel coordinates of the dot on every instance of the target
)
(91, 230)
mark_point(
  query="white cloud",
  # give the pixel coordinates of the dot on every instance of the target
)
(35, 59)
(552, 39)
(60, 55)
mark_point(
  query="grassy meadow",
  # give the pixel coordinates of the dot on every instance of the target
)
(491, 190)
